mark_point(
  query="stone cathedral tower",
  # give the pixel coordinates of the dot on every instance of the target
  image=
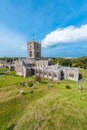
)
(34, 50)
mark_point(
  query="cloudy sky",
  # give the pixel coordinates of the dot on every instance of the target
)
(59, 25)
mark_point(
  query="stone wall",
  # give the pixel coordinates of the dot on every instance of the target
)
(59, 73)
(19, 67)
(22, 68)
(4, 63)
(44, 63)
(47, 73)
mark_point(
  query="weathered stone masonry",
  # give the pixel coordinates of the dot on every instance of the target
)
(44, 68)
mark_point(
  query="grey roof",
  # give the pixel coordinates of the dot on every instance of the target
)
(3, 61)
(26, 61)
(57, 68)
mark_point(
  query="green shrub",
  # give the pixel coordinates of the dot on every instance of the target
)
(68, 87)
(11, 73)
(58, 82)
(3, 71)
(30, 84)
(37, 78)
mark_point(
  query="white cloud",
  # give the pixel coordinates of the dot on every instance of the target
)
(69, 34)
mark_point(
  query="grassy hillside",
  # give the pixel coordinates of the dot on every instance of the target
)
(44, 106)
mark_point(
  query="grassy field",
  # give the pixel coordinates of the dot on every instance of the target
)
(47, 105)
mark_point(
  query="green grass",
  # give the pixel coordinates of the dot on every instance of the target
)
(51, 106)
(3, 71)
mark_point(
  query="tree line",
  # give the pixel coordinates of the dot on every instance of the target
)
(72, 62)
(11, 59)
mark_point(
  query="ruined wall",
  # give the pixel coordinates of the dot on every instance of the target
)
(19, 67)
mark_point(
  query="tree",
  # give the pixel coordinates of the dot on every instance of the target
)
(65, 62)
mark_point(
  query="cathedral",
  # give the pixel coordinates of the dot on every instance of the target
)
(35, 65)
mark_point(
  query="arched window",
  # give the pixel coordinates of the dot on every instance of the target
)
(36, 71)
(55, 75)
(71, 75)
(49, 74)
(45, 73)
(40, 71)
(30, 53)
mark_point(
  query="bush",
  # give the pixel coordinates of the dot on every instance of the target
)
(58, 82)
(4, 71)
(11, 73)
(37, 78)
(68, 87)
(30, 84)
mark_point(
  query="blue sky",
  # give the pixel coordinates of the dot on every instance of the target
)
(59, 25)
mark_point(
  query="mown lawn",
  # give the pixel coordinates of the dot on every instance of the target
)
(47, 105)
